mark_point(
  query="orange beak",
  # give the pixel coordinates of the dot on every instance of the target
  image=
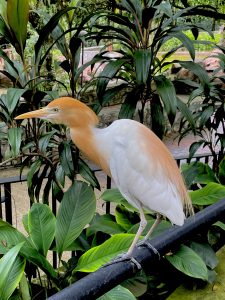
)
(40, 113)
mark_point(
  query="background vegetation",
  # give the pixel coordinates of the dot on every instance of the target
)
(138, 31)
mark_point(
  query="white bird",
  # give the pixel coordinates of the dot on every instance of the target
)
(136, 159)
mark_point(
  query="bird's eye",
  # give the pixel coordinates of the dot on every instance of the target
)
(55, 109)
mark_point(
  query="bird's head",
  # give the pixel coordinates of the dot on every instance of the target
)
(65, 110)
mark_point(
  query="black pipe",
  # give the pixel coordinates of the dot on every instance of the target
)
(98, 283)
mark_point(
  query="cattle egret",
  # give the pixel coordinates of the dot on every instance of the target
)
(141, 166)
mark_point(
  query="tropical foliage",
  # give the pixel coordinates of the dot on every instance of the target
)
(137, 33)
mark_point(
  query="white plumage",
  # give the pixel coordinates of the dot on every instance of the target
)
(140, 164)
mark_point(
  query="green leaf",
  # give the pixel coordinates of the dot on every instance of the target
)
(31, 176)
(209, 194)
(183, 108)
(46, 30)
(188, 262)
(94, 258)
(41, 224)
(13, 97)
(142, 63)
(17, 14)
(137, 285)
(197, 70)
(104, 223)
(43, 142)
(194, 147)
(11, 270)
(118, 293)
(85, 171)
(167, 92)
(75, 212)
(206, 253)
(114, 195)
(107, 74)
(124, 217)
(221, 173)
(197, 172)
(66, 159)
(164, 225)
(14, 139)
(187, 43)
(3, 11)
(10, 236)
(220, 224)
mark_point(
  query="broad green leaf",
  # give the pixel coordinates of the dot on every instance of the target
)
(107, 74)
(164, 225)
(57, 33)
(104, 223)
(188, 262)
(13, 97)
(41, 224)
(114, 195)
(137, 285)
(183, 108)
(209, 194)
(11, 270)
(14, 139)
(46, 30)
(75, 212)
(194, 147)
(31, 176)
(17, 14)
(197, 70)
(85, 171)
(94, 258)
(187, 43)
(66, 159)
(167, 92)
(128, 107)
(24, 288)
(158, 117)
(142, 63)
(112, 92)
(44, 141)
(124, 217)
(220, 224)
(206, 253)
(118, 293)
(10, 237)
(221, 174)
(8, 61)
(206, 113)
(3, 11)
(197, 172)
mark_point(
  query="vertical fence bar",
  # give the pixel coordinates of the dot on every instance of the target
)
(108, 185)
(8, 202)
(54, 209)
(0, 203)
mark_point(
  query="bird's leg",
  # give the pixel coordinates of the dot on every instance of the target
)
(142, 226)
(145, 241)
(128, 255)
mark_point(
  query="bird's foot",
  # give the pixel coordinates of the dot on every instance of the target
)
(146, 243)
(124, 257)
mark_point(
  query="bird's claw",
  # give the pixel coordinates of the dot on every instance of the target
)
(124, 257)
(149, 246)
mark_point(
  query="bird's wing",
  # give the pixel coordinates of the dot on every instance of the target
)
(140, 166)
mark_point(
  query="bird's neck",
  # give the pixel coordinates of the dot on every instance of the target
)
(85, 140)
